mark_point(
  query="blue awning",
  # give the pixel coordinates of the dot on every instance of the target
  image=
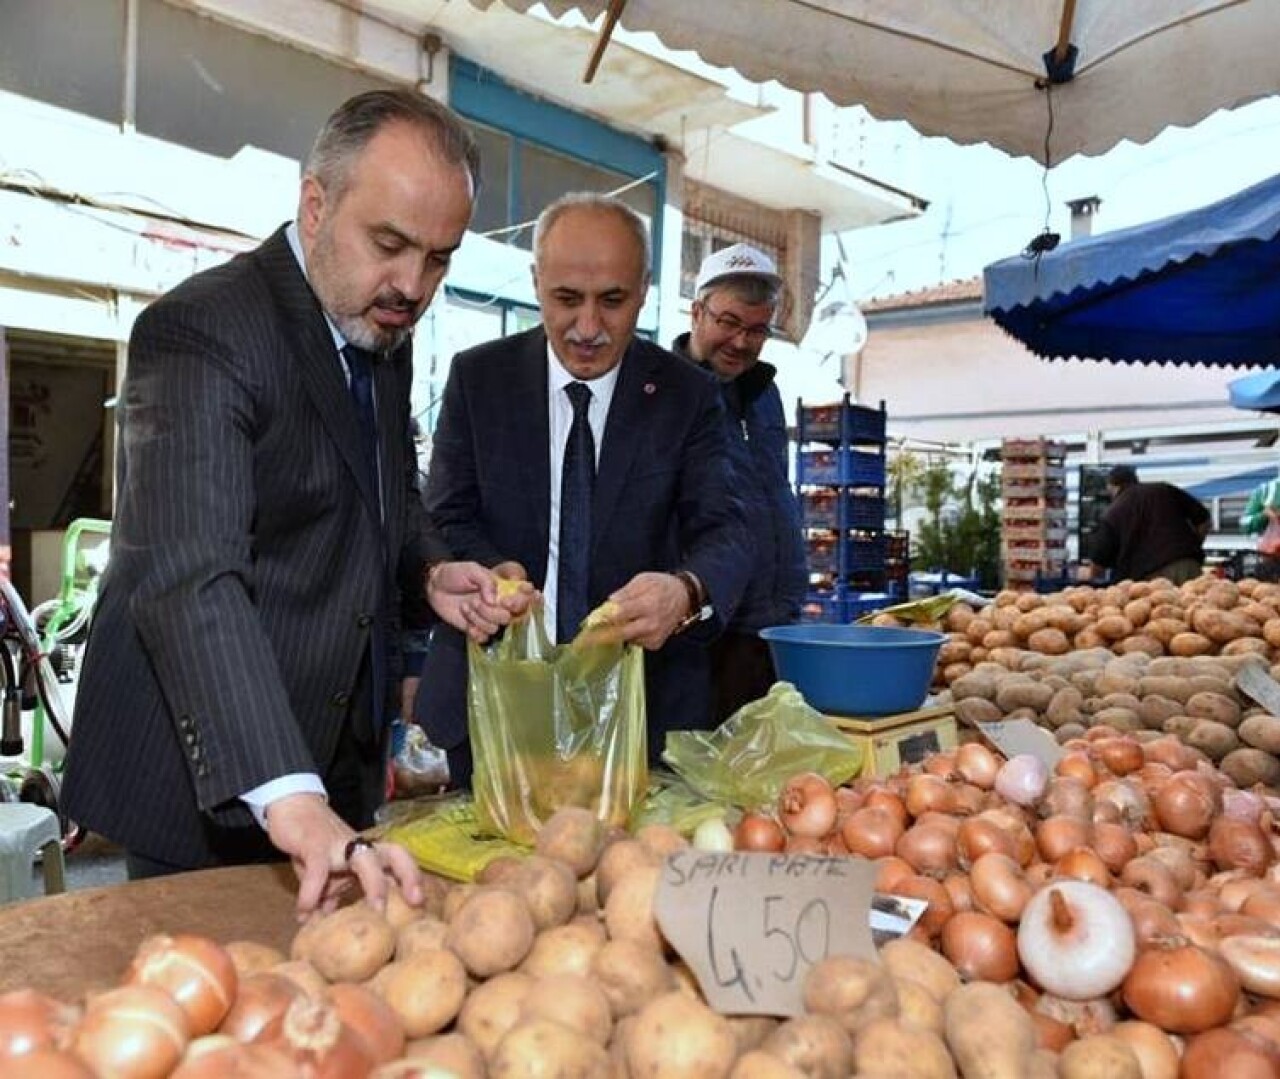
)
(1259, 393)
(1198, 287)
(1241, 483)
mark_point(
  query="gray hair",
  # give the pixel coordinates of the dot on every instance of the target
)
(591, 200)
(750, 289)
(348, 131)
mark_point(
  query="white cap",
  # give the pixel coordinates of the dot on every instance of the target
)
(739, 260)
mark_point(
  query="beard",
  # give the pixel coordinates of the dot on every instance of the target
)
(346, 311)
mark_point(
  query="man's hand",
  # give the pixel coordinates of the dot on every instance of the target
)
(651, 607)
(315, 838)
(466, 595)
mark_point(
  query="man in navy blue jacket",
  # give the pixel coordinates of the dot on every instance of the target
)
(736, 296)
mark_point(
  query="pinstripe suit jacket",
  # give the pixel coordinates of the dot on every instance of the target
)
(663, 501)
(248, 559)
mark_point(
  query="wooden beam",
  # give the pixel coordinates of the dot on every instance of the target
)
(611, 17)
(1065, 26)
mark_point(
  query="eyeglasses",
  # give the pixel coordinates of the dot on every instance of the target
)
(734, 326)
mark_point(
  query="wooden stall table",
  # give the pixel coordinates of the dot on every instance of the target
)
(66, 945)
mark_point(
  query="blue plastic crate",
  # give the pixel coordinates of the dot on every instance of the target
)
(864, 511)
(842, 422)
(850, 468)
(824, 607)
(821, 509)
(823, 555)
(863, 554)
(856, 604)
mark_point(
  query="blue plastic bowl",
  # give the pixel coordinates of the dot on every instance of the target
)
(856, 670)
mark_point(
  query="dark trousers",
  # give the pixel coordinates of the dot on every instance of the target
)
(355, 782)
(741, 672)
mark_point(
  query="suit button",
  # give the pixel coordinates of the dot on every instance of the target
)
(340, 699)
(364, 620)
(190, 737)
(202, 770)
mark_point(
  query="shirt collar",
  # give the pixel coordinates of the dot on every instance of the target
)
(295, 245)
(558, 377)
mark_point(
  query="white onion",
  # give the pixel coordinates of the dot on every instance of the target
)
(713, 835)
(1022, 779)
(1076, 940)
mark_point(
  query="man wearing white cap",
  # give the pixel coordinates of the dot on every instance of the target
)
(735, 299)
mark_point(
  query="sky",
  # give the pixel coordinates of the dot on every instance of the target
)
(986, 205)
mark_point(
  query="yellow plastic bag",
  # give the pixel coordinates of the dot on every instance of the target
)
(553, 726)
(443, 835)
(746, 761)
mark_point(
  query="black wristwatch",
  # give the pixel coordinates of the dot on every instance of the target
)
(699, 609)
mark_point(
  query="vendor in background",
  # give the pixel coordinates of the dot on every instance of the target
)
(735, 301)
(238, 680)
(593, 463)
(1261, 517)
(1150, 530)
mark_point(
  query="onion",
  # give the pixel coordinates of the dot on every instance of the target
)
(1156, 1053)
(928, 793)
(1120, 756)
(980, 947)
(1181, 988)
(713, 835)
(977, 765)
(195, 971)
(887, 799)
(261, 999)
(1126, 795)
(1256, 961)
(1078, 766)
(137, 1031)
(1236, 843)
(1084, 1017)
(320, 1044)
(48, 1064)
(1022, 779)
(807, 805)
(372, 1020)
(1154, 879)
(1082, 864)
(999, 888)
(1066, 796)
(31, 1021)
(1187, 804)
(1061, 835)
(891, 871)
(1152, 921)
(1242, 805)
(872, 831)
(1114, 844)
(940, 909)
(1076, 940)
(757, 832)
(928, 848)
(977, 837)
(240, 1061)
(1229, 1054)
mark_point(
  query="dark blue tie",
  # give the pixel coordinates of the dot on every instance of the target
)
(577, 479)
(360, 367)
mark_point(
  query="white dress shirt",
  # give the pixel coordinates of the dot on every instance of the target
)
(560, 417)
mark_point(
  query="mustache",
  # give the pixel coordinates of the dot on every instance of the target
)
(394, 301)
(600, 339)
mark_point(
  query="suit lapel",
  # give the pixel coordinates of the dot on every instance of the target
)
(532, 429)
(317, 359)
(633, 396)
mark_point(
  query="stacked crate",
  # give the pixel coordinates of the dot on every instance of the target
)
(1034, 519)
(840, 483)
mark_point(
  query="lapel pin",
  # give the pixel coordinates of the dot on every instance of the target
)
(649, 387)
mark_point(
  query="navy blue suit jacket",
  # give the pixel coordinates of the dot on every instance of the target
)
(663, 501)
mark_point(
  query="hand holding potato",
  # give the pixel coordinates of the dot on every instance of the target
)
(468, 597)
(316, 839)
(650, 608)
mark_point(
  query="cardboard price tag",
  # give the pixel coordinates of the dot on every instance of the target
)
(751, 925)
(1014, 736)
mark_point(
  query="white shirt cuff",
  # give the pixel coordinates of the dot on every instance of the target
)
(261, 797)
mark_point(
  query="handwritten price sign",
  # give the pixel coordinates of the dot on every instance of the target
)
(751, 925)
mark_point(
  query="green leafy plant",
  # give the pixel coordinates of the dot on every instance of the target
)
(961, 529)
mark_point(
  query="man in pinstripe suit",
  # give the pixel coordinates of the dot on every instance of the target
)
(229, 707)
(666, 541)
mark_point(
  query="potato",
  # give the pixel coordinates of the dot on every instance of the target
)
(1113, 627)
(573, 1000)
(906, 958)
(852, 991)
(661, 840)
(1245, 767)
(958, 617)
(1261, 732)
(349, 945)
(750, 1031)
(1271, 632)
(1214, 740)
(425, 991)
(1246, 646)
(886, 1047)
(628, 914)
(451, 1053)
(674, 1037)
(425, 935)
(1215, 706)
(1122, 719)
(573, 836)
(1180, 726)
(250, 957)
(977, 629)
(918, 1008)
(815, 1045)
(1190, 644)
(1099, 1056)
(1140, 644)
(619, 859)
(1050, 642)
(1016, 693)
(492, 1009)
(955, 650)
(564, 949)
(492, 932)
(549, 887)
(757, 1064)
(974, 1013)
(630, 974)
(1153, 710)
(974, 710)
(542, 1049)
(304, 976)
